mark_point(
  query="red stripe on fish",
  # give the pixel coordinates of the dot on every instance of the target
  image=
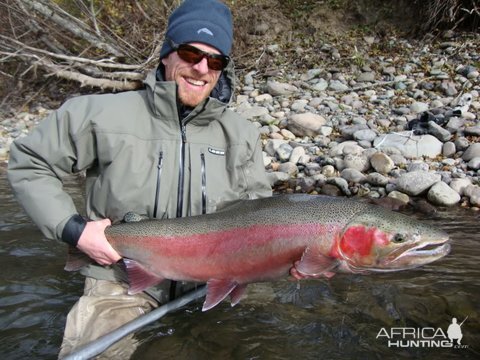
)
(240, 252)
(217, 241)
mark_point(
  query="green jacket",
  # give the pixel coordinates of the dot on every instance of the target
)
(139, 155)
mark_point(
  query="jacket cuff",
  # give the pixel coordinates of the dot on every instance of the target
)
(73, 229)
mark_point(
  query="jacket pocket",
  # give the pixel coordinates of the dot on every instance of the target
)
(213, 180)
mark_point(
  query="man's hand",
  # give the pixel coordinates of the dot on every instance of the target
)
(94, 243)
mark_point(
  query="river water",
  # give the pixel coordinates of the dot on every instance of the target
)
(399, 315)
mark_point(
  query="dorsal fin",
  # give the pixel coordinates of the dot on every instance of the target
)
(131, 216)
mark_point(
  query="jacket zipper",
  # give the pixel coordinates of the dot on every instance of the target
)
(181, 176)
(157, 189)
(204, 183)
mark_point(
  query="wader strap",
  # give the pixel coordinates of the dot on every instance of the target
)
(173, 290)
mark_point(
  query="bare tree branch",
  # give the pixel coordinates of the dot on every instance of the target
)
(54, 46)
(94, 18)
(71, 27)
(106, 63)
(86, 80)
(137, 4)
(33, 43)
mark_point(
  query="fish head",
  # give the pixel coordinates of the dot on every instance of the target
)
(380, 240)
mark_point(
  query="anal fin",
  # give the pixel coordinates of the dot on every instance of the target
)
(217, 290)
(237, 294)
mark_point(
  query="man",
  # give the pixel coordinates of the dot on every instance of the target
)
(169, 150)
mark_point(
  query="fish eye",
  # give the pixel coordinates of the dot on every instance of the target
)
(399, 238)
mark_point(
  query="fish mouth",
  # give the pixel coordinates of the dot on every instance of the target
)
(429, 250)
(418, 255)
(440, 246)
(410, 258)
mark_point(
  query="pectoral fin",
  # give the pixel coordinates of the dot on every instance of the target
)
(314, 263)
(217, 290)
(139, 277)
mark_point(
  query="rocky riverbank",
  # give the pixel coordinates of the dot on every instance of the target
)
(402, 126)
(398, 127)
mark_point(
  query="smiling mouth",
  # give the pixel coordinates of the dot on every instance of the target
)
(195, 82)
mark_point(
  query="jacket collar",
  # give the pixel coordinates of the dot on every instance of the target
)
(162, 97)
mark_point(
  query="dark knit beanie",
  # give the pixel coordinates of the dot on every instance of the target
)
(204, 21)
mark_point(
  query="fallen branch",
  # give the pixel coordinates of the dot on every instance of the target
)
(379, 83)
(119, 75)
(106, 63)
(368, 86)
(85, 80)
(71, 27)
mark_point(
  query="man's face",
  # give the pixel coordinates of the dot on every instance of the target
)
(195, 81)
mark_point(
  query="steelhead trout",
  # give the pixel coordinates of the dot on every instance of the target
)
(260, 240)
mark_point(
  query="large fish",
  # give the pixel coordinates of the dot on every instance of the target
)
(260, 240)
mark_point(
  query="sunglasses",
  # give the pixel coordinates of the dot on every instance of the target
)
(193, 55)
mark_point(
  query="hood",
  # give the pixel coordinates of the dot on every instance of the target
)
(162, 95)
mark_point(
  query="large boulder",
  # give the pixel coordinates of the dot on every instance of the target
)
(306, 124)
(411, 146)
(416, 182)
